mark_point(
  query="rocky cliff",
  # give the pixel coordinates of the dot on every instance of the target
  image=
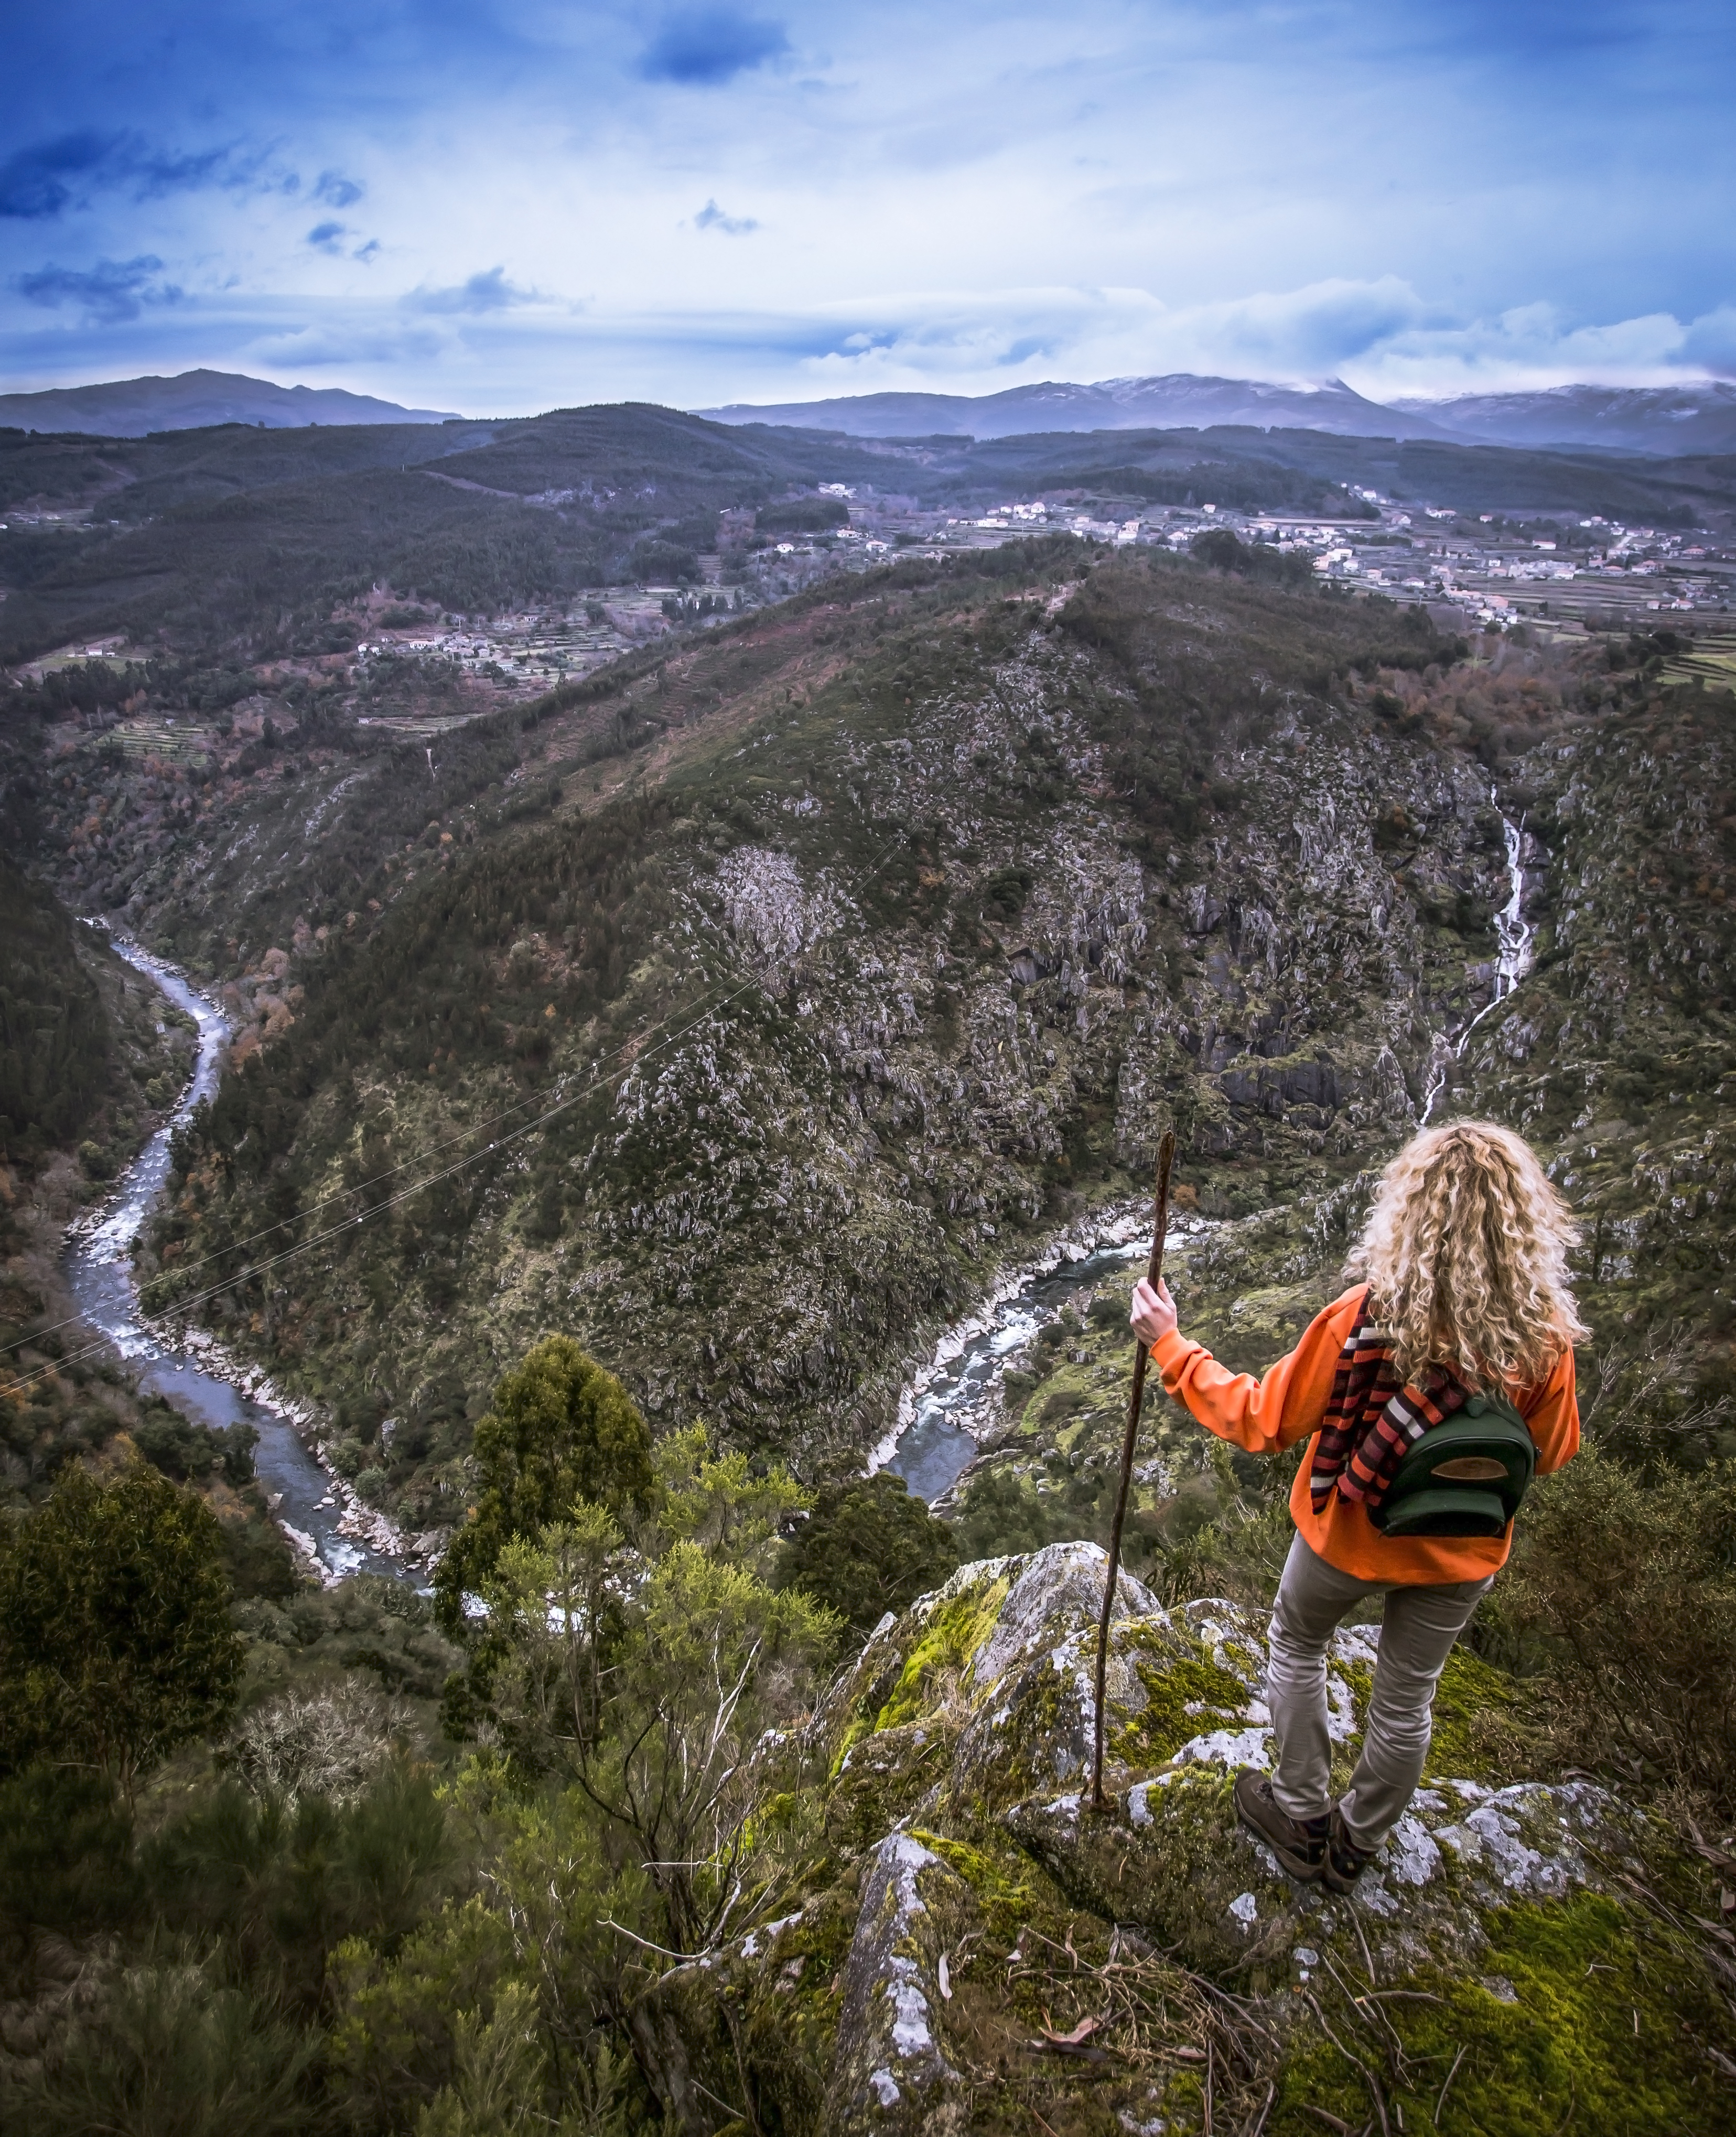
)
(916, 921)
(978, 1948)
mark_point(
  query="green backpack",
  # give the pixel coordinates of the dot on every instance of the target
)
(1464, 1477)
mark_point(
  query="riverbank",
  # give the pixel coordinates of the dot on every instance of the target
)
(950, 1408)
(335, 1533)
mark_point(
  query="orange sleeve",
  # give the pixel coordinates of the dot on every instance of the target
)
(1263, 1415)
(1553, 1415)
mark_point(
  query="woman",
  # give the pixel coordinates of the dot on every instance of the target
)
(1462, 1285)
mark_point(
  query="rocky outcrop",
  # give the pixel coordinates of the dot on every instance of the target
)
(1005, 1936)
(889, 2072)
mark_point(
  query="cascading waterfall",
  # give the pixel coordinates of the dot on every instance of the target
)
(1514, 936)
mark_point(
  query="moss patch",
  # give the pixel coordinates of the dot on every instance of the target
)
(1479, 1729)
(1173, 1878)
(1584, 2017)
(1186, 1698)
(792, 2005)
(954, 1631)
(885, 1773)
(1003, 1883)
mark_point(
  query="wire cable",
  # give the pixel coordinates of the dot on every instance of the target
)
(694, 1015)
(342, 1195)
(392, 1171)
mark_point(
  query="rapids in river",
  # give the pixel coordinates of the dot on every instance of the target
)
(99, 1271)
(931, 1447)
(954, 1402)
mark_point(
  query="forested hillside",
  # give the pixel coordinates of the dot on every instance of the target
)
(622, 1095)
(911, 922)
(233, 543)
(211, 542)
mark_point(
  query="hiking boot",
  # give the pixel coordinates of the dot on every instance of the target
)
(1300, 1844)
(1345, 1860)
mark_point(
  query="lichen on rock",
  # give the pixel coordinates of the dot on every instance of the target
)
(1000, 1919)
(889, 2066)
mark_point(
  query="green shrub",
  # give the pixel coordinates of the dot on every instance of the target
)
(189, 1452)
(115, 1643)
(165, 2050)
(866, 1548)
(561, 1430)
(1623, 1587)
(65, 1853)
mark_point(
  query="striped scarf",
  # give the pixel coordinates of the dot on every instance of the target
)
(1371, 1422)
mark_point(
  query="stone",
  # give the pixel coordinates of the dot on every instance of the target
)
(889, 2071)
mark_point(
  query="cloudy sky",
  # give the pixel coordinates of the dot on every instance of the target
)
(499, 206)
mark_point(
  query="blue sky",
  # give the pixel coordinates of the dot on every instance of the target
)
(510, 205)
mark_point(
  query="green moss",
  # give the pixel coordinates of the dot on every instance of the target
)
(954, 1631)
(892, 1769)
(1604, 2033)
(792, 2003)
(860, 1726)
(1001, 1882)
(1173, 1688)
(1174, 1878)
(1476, 1724)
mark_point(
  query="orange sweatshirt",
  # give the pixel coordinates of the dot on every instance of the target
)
(1287, 1405)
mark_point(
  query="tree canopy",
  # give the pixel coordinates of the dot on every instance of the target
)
(116, 1641)
(870, 1546)
(562, 1430)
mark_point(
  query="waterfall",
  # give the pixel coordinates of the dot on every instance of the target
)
(1514, 936)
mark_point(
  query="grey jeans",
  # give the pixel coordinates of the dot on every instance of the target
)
(1416, 1635)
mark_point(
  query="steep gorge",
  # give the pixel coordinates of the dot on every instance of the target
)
(918, 918)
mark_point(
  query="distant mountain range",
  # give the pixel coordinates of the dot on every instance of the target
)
(1179, 402)
(1696, 417)
(134, 408)
(1666, 420)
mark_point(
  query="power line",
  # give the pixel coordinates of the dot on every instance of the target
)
(389, 1202)
(432, 1180)
(392, 1171)
(326, 1201)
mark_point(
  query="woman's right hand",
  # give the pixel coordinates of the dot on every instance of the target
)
(1153, 1311)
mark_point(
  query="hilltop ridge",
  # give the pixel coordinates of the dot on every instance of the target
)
(1698, 417)
(190, 400)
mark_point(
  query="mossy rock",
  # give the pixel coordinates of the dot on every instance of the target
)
(994, 1902)
(948, 1650)
(1582, 2014)
(880, 1776)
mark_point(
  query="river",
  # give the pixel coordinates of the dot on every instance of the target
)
(100, 1270)
(933, 1443)
(931, 1449)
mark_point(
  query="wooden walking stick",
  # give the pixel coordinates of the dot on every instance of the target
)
(1136, 1396)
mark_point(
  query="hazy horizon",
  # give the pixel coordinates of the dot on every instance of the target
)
(516, 210)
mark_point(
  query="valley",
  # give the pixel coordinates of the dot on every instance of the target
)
(849, 946)
(751, 1017)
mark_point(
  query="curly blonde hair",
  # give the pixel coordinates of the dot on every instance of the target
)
(1465, 1254)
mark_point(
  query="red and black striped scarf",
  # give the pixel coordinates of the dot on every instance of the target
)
(1371, 1421)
